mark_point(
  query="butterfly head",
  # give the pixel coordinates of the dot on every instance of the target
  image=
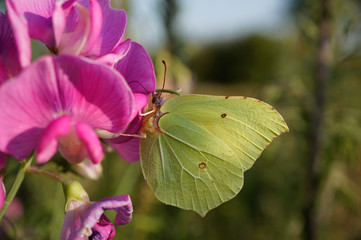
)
(157, 100)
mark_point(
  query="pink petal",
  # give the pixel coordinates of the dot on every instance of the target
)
(103, 229)
(140, 101)
(105, 102)
(118, 53)
(121, 204)
(28, 103)
(83, 27)
(3, 74)
(128, 151)
(112, 30)
(73, 42)
(59, 23)
(128, 147)
(9, 62)
(96, 22)
(15, 51)
(38, 18)
(132, 128)
(74, 148)
(48, 143)
(92, 143)
(72, 226)
(137, 68)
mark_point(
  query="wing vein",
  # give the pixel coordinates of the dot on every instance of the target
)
(254, 130)
(180, 163)
(162, 161)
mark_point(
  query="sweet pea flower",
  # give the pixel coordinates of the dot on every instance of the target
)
(88, 28)
(56, 103)
(137, 68)
(85, 219)
(15, 51)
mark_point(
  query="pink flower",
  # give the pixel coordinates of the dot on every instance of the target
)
(56, 103)
(85, 219)
(15, 51)
(137, 68)
(89, 28)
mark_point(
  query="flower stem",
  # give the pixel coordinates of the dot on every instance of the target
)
(25, 164)
(35, 170)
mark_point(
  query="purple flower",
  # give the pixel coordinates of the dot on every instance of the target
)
(137, 68)
(56, 103)
(128, 147)
(85, 219)
(15, 51)
(89, 28)
(103, 229)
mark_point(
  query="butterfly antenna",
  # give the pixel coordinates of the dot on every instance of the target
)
(156, 95)
(140, 85)
(165, 73)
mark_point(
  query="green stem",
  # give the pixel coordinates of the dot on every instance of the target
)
(35, 170)
(25, 164)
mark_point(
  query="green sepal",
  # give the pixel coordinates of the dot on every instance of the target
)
(74, 191)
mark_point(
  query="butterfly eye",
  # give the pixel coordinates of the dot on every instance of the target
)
(154, 99)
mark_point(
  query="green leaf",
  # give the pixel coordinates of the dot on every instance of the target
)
(197, 147)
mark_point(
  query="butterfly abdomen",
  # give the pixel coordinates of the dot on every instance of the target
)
(147, 124)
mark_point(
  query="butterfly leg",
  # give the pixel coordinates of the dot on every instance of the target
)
(145, 114)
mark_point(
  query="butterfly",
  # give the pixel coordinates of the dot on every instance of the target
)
(197, 147)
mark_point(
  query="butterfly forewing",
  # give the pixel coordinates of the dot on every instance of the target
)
(245, 125)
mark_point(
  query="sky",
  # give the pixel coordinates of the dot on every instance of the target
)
(207, 20)
(204, 21)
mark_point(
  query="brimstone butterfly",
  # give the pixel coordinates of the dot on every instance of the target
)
(197, 147)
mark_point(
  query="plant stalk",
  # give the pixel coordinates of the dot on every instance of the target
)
(322, 76)
(35, 170)
(25, 164)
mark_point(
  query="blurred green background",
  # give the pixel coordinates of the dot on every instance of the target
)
(303, 59)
